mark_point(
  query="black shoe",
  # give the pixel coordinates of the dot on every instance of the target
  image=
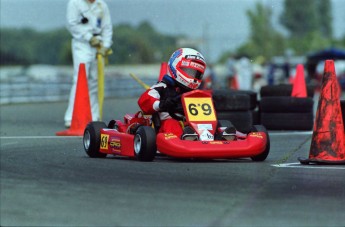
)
(229, 133)
(189, 134)
(67, 124)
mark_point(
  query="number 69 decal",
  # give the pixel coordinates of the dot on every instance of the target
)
(104, 141)
(200, 109)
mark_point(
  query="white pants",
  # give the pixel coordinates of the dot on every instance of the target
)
(87, 56)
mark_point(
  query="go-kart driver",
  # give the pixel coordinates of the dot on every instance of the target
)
(186, 68)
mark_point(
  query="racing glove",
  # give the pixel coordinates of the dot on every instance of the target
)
(96, 41)
(167, 104)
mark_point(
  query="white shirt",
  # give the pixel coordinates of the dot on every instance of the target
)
(98, 21)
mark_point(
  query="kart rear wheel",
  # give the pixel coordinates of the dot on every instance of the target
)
(92, 139)
(262, 157)
(145, 147)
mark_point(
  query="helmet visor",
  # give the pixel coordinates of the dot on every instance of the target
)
(193, 73)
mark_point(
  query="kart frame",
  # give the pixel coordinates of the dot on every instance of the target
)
(136, 137)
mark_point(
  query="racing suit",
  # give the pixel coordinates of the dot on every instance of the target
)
(85, 20)
(150, 103)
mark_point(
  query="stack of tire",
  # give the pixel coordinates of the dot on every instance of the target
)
(238, 107)
(279, 111)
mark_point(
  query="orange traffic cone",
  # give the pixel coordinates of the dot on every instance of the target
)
(82, 108)
(163, 71)
(233, 82)
(328, 140)
(299, 88)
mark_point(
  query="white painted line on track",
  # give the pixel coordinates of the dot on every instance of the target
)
(39, 137)
(297, 165)
(290, 133)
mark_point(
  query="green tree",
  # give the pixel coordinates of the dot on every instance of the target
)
(299, 17)
(141, 44)
(129, 46)
(309, 23)
(18, 46)
(132, 45)
(307, 16)
(162, 45)
(324, 8)
(264, 39)
(53, 46)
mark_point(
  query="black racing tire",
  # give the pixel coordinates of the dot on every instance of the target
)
(253, 97)
(276, 90)
(256, 117)
(262, 157)
(287, 121)
(242, 120)
(225, 100)
(285, 104)
(92, 139)
(224, 123)
(145, 147)
(283, 90)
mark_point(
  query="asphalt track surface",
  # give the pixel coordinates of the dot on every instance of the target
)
(49, 181)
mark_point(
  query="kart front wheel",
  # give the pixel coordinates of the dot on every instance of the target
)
(92, 139)
(262, 157)
(145, 147)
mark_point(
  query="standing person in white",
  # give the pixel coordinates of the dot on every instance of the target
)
(90, 25)
(245, 74)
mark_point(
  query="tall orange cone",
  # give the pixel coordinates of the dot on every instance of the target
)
(82, 108)
(328, 140)
(233, 82)
(163, 71)
(299, 88)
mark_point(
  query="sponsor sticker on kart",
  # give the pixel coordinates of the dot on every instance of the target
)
(204, 127)
(169, 136)
(200, 109)
(217, 142)
(256, 134)
(206, 136)
(104, 141)
(115, 144)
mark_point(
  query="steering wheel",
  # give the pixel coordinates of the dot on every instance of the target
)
(176, 112)
(175, 115)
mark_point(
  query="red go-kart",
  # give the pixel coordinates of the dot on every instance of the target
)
(138, 137)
